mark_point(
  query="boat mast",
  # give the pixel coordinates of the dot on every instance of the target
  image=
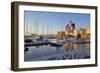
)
(51, 29)
(37, 26)
(47, 29)
(61, 23)
(31, 29)
(36, 23)
(27, 27)
(43, 29)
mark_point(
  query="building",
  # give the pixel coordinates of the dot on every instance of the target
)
(70, 29)
(88, 34)
(84, 33)
(61, 36)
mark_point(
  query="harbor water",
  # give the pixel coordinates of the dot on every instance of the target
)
(65, 52)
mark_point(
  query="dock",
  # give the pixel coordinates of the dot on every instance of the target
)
(43, 43)
(53, 44)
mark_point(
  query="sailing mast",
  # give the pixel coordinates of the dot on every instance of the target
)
(36, 26)
(27, 27)
(51, 29)
(47, 29)
(31, 29)
(43, 29)
(61, 23)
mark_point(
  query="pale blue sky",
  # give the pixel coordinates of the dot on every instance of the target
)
(51, 22)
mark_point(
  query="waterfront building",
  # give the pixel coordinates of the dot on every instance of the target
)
(61, 36)
(84, 32)
(70, 29)
(88, 33)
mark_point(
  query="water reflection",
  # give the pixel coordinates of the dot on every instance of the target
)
(69, 50)
(73, 46)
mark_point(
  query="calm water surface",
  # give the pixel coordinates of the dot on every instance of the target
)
(67, 51)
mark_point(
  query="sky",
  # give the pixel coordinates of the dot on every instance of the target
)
(52, 22)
